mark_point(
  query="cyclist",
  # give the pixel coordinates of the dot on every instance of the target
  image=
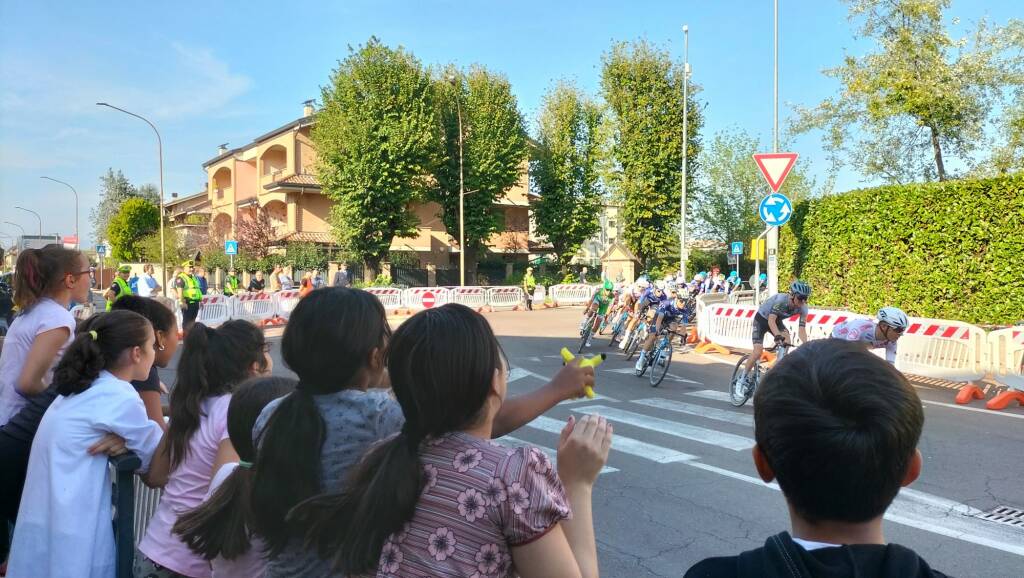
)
(769, 318)
(651, 296)
(732, 282)
(697, 283)
(600, 303)
(885, 332)
(670, 313)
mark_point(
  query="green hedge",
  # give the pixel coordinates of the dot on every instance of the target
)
(951, 250)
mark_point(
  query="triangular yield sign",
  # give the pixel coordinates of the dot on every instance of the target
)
(775, 167)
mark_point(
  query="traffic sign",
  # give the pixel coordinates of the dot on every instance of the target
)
(757, 249)
(427, 299)
(101, 250)
(775, 210)
(775, 167)
(734, 259)
(736, 248)
(230, 247)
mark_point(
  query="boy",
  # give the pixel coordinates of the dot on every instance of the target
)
(838, 428)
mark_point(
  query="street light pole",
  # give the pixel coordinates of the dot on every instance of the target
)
(160, 154)
(773, 233)
(38, 218)
(462, 186)
(22, 229)
(78, 240)
(683, 257)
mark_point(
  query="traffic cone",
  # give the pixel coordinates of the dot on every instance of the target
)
(969, 392)
(691, 336)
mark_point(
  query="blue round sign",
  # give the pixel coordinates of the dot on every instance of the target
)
(775, 210)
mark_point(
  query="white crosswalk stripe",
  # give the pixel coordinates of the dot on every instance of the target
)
(552, 454)
(677, 429)
(623, 444)
(699, 410)
(714, 395)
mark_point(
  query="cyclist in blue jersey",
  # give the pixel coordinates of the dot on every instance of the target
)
(670, 313)
(770, 316)
(649, 298)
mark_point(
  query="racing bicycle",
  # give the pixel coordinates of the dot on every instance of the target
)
(738, 393)
(661, 356)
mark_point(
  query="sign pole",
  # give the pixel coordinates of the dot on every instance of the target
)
(773, 232)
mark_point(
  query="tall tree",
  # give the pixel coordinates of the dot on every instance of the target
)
(565, 170)
(115, 190)
(255, 233)
(136, 219)
(921, 98)
(493, 153)
(643, 89)
(378, 139)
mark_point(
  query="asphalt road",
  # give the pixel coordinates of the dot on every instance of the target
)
(680, 485)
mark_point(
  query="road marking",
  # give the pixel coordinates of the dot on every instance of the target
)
(683, 379)
(517, 373)
(534, 359)
(682, 430)
(623, 444)
(552, 454)
(979, 410)
(716, 359)
(699, 410)
(711, 394)
(628, 370)
(582, 399)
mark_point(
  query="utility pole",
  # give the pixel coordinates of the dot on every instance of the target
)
(683, 257)
(773, 233)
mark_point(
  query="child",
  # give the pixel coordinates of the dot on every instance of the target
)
(165, 326)
(218, 530)
(213, 362)
(440, 498)
(64, 518)
(831, 402)
(334, 342)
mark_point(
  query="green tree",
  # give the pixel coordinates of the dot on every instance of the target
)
(115, 190)
(136, 219)
(149, 247)
(921, 98)
(643, 89)
(493, 152)
(378, 139)
(565, 170)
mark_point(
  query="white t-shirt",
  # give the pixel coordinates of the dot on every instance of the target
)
(146, 285)
(45, 315)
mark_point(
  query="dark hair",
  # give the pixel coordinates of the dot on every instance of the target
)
(328, 341)
(83, 360)
(839, 426)
(38, 271)
(441, 363)
(157, 313)
(221, 525)
(213, 362)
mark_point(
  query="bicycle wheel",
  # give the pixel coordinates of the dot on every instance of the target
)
(585, 336)
(665, 354)
(739, 394)
(638, 337)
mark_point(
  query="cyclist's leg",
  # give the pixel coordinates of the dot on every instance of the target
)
(648, 344)
(758, 346)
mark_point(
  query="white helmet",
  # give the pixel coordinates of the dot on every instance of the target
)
(643, 283)
(894, 317)
(660, 285)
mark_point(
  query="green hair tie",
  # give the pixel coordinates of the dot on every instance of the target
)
(95, 336)
(244, 464)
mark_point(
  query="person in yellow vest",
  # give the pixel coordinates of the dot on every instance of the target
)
(529, 286)
(231, 283)
(119, 288)
(190, 297)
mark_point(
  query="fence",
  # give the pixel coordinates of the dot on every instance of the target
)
(1006, 356)
(122, 497)
(409, 276)
(505, 297)
(285, 301)
(572, 294)
(254, 307)
(425, 297)
(389, 297)
(215, 309)
(475, 297)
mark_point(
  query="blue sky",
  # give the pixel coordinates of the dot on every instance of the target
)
(213, 72)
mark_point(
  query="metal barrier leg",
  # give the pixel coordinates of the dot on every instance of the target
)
(123, 498)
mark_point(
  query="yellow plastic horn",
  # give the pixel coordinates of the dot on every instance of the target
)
(586, 362)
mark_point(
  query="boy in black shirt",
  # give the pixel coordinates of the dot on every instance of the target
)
(838, 428)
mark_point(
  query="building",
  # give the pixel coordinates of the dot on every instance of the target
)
(276, 172)
(189, 218)
(609, 231)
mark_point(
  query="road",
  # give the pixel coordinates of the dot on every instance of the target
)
(680, 485)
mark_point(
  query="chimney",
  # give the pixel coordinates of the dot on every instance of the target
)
(307, 108)
(222, 148)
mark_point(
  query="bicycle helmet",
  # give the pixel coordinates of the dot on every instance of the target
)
(643, 283)
(894, 317)
(762, 277)
(608, 285)
(800, 288)
(660, 285)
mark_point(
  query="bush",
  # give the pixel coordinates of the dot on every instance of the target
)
(382, 280)
(949, 250)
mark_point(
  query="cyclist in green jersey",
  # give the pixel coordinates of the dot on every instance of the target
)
(601, 302)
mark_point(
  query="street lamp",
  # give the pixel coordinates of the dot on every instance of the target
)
(22, 229)
(462, 228)
(160, 154)
(38, 218)
(78, 239)
(682, 199)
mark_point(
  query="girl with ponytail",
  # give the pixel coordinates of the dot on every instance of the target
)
(213, 363)
(218, 530)
(440, 498)
(64, 518)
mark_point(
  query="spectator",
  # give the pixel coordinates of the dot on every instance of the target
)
(218, 530)
(308, 440)
(119, 288)
(165, 328)
(306, 284)
(285, 280)
(449, 376)
(204, 287)
(529, 286)
(275, 279)
(838, 427)
(341, 277)
(148, 287)
(318, 279)
(64, 519)
(213, 362)
(190, 295)
(257, 284)
(583, 275)
(231, 283)
(46, 281)
(171, 291)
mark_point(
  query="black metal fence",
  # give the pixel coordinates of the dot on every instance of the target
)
(409, 276)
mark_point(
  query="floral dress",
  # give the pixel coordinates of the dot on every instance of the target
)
(480, 499)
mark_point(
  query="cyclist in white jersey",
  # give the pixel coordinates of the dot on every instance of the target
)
(769, 319)
(884, 332)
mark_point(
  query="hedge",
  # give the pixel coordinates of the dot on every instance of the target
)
(949, 250)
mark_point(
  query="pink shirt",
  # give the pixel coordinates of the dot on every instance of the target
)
(248, 565)
(186, 489)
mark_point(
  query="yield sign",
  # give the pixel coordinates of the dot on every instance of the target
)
(427, 299)
(775, 167)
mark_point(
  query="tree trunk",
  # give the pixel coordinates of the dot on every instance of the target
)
(371, 268)
(471, 256)
(937, 149)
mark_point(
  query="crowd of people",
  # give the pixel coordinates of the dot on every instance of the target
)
(378, 458)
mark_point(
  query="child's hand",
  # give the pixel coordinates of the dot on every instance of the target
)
(110, 444)
(583, 450)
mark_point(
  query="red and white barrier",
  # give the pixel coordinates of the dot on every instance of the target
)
(285, 301)
(254, 307)
(506, 298)
(215, 310)
(417, 298)
(572, 294)
(473, 297)
(1006, 356)
(389, 297)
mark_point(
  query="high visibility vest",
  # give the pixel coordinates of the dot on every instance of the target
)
(124, 289)
(231, 285)
(192, 293)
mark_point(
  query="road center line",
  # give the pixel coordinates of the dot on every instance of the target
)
(691, 432)
(699, 410)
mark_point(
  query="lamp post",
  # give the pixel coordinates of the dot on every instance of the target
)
(683, 257)
(160, 155)
(22, 229)
(773, 233)
(78, 240)
(38, 218)
(462, 228)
